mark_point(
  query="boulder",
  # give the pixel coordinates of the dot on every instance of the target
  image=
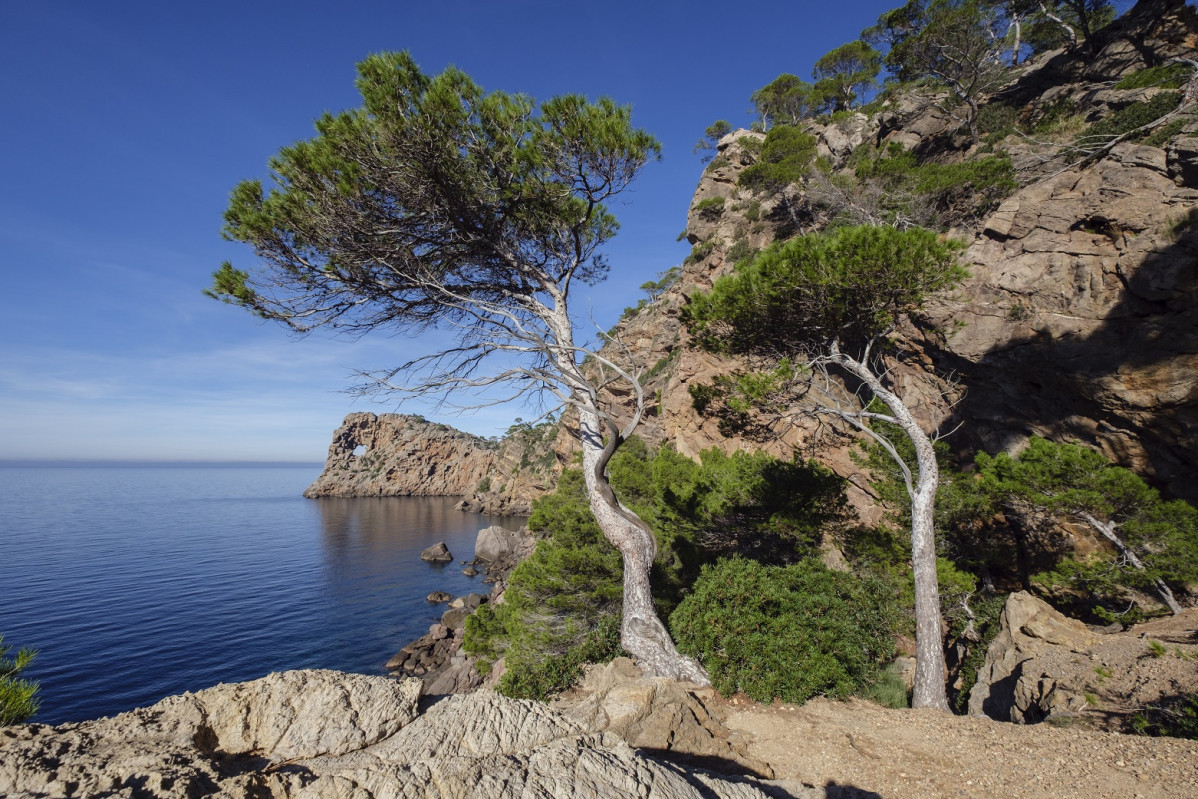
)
(226, 737)
(437, 553)
(1016, 681)
(455, 617)
(1182, 157)
(656, 714)
(471, 601)
(495, 544)
(470, 571)
(437, 597)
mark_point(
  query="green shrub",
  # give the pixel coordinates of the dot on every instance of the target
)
(1161, 136)
(954, 192)
(890, 690)
(561, 600)
(785, 158)
(987, 625)
(555, 601)
(740, 250)
(543, 677)
(18, 697)
(1167, 76)
(717, 162)
(699, 252)
(785, 632)
(1176, 717)
(996, 120)
(484, 485)
(1133, 116)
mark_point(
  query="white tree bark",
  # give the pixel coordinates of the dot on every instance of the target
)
(1108, 531)
(642, 634)
(931, 673)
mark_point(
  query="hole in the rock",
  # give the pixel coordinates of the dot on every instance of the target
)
(359, 450)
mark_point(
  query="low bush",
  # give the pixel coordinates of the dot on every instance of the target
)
(1176, 717)
(562, 606)
(711, 208)
(556, 601)
(786, 632)
(1167, 76)
(1133, 116)
(785, 159)
(939, 195)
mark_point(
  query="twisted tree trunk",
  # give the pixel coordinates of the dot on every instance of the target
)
(642, 634)
(931, 673)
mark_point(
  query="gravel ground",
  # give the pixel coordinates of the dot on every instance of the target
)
(858, 749)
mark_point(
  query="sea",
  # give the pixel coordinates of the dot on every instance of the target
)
(137, 582)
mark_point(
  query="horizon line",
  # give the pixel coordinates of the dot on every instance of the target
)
(151, 462)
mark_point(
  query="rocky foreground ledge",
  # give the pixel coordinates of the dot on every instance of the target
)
(330, 734)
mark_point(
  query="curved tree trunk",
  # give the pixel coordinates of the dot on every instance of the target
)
(1108, 531)
(641, 632)
(931, 673)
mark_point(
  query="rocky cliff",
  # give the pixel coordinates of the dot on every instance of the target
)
(1078, 319)
(391, 455)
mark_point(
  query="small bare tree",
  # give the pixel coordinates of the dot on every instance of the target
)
(823, 302)
(436, 207)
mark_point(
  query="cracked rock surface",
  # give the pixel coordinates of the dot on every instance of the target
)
(329, 734)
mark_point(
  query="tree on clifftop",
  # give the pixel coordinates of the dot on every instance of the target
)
(847, 72)
(824, 302)
(438, 206)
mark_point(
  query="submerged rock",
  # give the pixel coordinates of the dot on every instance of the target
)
(437, 553)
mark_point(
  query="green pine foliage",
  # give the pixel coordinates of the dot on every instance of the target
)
(954, 193)
(1131, 117)
(786, 632)
(562, 605)
(18, 697)
(847, 284)
(785, 159)
(1166, 76)
(1176, 717)
(557, 600)
(786, 100)
(1049, 483)
(845, 73)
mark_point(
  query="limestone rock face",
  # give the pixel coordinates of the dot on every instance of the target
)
(392, 455)
(220, 739)
(322, 734)
(1078, 319)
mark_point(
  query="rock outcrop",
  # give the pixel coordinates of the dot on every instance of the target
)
(657, 715)
(327, 734)
(392, 455)
(1043, 664)
(436, 657)
(1078, 319)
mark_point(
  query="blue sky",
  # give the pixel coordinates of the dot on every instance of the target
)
(126, 124)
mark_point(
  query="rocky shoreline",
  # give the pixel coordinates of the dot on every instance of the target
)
(436, 658)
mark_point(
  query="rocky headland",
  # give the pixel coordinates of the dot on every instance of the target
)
(395, 455)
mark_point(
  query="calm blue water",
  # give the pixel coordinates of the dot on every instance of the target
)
(138, 583)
